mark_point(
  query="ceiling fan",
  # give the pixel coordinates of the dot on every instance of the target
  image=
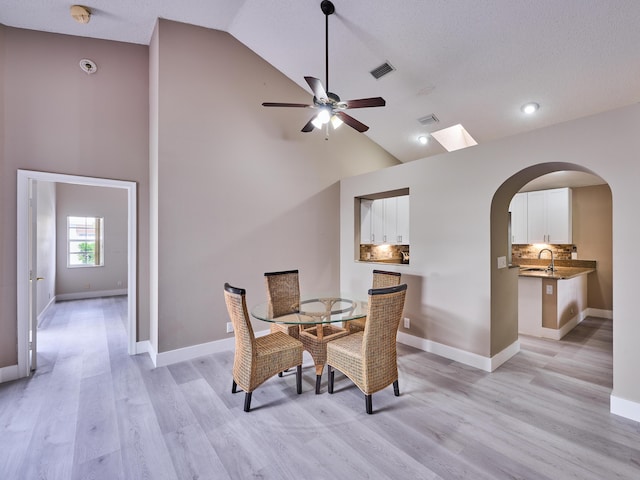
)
(330, 108)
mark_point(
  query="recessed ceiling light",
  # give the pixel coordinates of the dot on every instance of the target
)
(423, 139)
(530, 108)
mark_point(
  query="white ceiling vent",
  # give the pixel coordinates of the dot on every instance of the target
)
(428, 119)
(382, 70)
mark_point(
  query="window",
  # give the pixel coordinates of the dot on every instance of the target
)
(85, 241)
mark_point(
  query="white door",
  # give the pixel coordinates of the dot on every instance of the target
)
(33, 275)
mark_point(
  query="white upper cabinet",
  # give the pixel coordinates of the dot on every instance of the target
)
(518, 209)
(366, 230)
(377, 222)
(402, 218)
(385, 220)
(549, 216)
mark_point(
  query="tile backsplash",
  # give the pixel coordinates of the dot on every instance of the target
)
(384, 253)
(560, 252)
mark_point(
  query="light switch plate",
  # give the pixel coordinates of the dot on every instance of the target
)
(549, 289)
(502, 262)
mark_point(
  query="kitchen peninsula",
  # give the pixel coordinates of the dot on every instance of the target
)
(552, 303)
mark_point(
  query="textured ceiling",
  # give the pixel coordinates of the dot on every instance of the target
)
(472, 62)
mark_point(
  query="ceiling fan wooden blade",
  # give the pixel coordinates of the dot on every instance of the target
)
(309, 126)
(352, 122)
(296, 105)
(317, 88)
(366, 102)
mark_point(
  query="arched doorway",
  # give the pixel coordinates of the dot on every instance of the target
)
(504, 287)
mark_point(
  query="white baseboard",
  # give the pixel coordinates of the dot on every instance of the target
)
(91, 294)
(44, 310)
(194, 351)
(558, 333)
(144, 347)
(468, 358)
(625, 408)
(9, 373)
(597, 312)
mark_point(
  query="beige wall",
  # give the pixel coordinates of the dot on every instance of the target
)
(86, 201)
(239, 189)
(459, 203)
(62, 120)
(593, 235)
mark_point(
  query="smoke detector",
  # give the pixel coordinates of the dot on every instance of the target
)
(88, 66)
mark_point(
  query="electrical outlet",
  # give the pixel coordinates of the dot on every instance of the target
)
(407, 322)
(502, 262)
(549, 289)
(229, 327)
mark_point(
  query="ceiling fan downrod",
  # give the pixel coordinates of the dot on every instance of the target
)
(328, 9)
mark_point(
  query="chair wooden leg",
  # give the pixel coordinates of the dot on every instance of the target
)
(396, 389)
(280, 374)
(234, 387)
(247, 402)
(299, 379)
(367, 402)
(330, 373)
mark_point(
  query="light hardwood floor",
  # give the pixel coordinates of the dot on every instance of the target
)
(93, 412)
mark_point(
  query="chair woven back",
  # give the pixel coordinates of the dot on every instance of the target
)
(283, 292)
(379, 338)
(382, 279)
(245, 351)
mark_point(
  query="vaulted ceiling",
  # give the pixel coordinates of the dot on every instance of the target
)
(469, 62)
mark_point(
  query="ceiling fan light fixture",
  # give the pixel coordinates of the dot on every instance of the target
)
(336, 122)
(323, 116)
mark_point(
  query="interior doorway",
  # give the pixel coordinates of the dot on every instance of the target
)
(26, 277)
(504, 324)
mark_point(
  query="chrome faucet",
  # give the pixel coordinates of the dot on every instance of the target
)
(551, 267)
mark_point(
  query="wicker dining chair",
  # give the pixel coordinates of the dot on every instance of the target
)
(369, 358)
(283, 297)
(257, 359)
(381, 279)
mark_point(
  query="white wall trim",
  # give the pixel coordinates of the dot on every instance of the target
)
(625, 408)
(44, 310)
(9, 373)
(194, 351)
(468, 358)
(91, 294)
(503, 356)
(597, 312)
(144, 347)
(22, 255)
(558, 333)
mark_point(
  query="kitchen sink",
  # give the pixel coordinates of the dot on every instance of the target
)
(533, 269)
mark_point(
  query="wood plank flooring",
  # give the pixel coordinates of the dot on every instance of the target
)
(93, 412)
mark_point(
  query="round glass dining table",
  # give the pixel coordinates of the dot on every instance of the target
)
(321, 318)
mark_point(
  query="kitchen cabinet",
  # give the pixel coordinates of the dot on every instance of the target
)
(385, 221)
(518, 209)
(402, 218)
(549, 216)
(366, 231)
(551, 308)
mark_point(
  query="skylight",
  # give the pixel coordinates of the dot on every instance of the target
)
(454, 138)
